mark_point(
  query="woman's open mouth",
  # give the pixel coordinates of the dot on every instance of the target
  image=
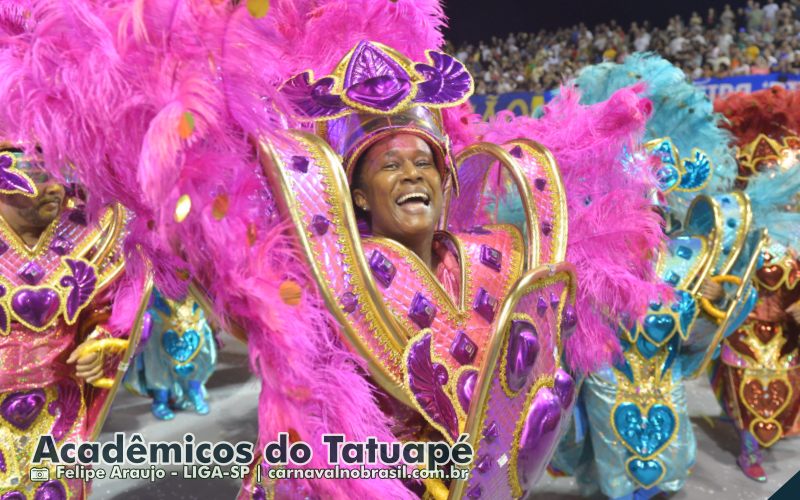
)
(416, 202)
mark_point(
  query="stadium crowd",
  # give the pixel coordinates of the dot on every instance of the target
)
(759, 38)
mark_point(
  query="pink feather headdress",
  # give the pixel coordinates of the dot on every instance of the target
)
(614, 233)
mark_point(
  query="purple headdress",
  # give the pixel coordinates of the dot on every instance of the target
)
(13, 179)
(376, 90)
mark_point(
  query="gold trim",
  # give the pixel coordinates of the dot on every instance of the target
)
(375, 313)
(742, 230)
(738, 296)
(559, 197)
(714, 239)
(532, 250)
(133, 342)
(531, 281)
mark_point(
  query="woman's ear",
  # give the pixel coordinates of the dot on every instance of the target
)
(360, 199)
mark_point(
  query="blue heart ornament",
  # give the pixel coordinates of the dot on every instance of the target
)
(646, 472)
(658, 327)
(181, 348)
(645, 436)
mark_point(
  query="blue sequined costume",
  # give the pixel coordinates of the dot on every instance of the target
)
(631, 435)
(177, 360)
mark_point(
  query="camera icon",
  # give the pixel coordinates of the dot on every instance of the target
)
(40, 474)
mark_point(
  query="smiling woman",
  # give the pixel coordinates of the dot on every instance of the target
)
(397, 183)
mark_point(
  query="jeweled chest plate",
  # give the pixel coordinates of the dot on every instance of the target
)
(55, 279)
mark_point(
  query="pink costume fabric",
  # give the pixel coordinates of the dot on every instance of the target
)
(157, 102)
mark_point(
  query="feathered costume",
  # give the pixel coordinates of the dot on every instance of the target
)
(758, 376)
(632, 435)
(164, 101)
(177, 356)
(70, 289)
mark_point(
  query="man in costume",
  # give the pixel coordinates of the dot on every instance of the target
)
(178, 356)
(632, 436)
(757, 378)
(59, 276)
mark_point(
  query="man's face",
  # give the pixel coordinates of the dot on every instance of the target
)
(400, 187)
(40, 211)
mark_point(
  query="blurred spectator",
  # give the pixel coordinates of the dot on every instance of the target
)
(752, 40)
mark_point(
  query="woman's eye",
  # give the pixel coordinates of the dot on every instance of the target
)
(424, 163)
(390, 166)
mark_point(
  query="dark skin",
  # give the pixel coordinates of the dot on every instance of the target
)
(29, 217)
(400, 188)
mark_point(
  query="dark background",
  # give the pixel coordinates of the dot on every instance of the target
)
(475, 20)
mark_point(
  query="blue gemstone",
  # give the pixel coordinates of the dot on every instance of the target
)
(382, 268)
(684, 252)
(731, 223)
(463, 349)
(422, 311)
(672, 278)
(491, 257)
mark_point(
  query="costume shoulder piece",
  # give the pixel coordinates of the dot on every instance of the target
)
(59, 277)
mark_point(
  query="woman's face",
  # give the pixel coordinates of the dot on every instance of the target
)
(400, 188)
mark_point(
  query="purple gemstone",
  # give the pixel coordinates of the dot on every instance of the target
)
(554, 300)
(20, 409)
(37, 307)
(2, 462)
(539, 436)
(382, 268)
(3, 247)
(540, 184)
(570, 319)
(5, 161)
(491, 433)
(547, 228)
(422, 311)
(516, 152)
(13, 495)
(491, 257)
(319, 225)
(349, 302)
(465, 387)
(463, 348)
(299, 164)
(51, 490)
(31, 272)
(61, 246)
(541, 306)
(485, 305)
(78, 217)
(564, 387)
(523, 348)
(259, 493)
(475, 491)
(484, 464)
